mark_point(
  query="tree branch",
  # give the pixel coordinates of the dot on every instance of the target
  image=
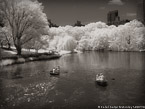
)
(27, 40)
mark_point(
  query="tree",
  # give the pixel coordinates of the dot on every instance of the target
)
(6, 37)
(1, 21)
(52, 24)
(37, 43)
(78, 23)
(25, 19)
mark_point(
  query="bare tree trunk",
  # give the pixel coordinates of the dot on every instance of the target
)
(1, 45)
(9, 46)
(18, 47)
(19, 50)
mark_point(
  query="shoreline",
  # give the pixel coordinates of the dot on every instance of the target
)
(21, 60)
(15, 59)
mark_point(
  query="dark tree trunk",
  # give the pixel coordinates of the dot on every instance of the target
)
(18, 46)
(19, 50)
(1, 45)
(9, 46)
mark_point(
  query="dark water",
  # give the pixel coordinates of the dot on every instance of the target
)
(29, 85)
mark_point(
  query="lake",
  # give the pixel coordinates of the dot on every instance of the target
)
(30, 86)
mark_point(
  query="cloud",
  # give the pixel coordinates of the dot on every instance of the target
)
(131, 14)
(115, 2)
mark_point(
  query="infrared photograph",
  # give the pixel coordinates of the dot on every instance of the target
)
(72, 54)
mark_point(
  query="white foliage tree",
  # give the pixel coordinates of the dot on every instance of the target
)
(68, 43)
(25, 19)
(99, 36)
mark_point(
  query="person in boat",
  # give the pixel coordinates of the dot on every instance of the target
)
(100, 77)
(58, 68)
(53, 70)
(101, 80)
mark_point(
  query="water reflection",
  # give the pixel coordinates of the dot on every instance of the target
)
(17, 94)
(17, 73)
(75, 86)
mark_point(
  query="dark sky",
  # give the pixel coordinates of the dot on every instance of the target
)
(67, 12)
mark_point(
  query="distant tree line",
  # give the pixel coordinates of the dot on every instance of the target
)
(51, 24)
(79, 24)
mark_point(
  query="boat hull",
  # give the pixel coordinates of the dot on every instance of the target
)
(102, 83)
(56, 73)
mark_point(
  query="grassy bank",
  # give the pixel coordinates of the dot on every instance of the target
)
(9, 57)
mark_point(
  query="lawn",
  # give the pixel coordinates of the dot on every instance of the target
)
(9, 57)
